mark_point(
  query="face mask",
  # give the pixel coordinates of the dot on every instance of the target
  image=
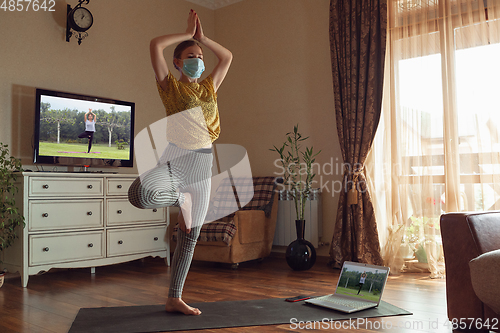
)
(193, 67)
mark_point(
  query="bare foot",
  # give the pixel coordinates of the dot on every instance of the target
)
(177, 305)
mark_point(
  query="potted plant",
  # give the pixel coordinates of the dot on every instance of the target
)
(10, 217)
(298, 176)
(420, 234)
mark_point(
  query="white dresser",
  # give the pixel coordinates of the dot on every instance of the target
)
(76, 220)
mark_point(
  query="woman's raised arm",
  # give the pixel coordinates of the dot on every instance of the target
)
(158, 44)
(224, 55)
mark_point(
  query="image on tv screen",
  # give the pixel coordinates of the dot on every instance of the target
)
(81, 128)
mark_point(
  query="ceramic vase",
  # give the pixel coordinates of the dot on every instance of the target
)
(300, 254)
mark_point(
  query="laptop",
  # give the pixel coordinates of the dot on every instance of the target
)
(359, 287)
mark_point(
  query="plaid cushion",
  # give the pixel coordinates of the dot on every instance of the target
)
(224, 201)
(218, 231)
(214, 231)
(263, 189)
(253, 193)
(257, 192)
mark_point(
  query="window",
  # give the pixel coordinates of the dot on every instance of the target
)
(447, 92)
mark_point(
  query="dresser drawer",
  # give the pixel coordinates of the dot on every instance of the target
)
(118, 186)
(136, 240)
(121, 211)
(65, 214)
(66, 247)
(78, 187)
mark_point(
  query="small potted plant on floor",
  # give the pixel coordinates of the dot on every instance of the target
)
(298, 175)
(10, 217)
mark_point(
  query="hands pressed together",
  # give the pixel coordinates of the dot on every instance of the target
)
(194, 26)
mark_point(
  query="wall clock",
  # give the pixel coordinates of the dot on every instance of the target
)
(78, 21)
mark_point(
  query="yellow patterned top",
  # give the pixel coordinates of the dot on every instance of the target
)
(178, 97)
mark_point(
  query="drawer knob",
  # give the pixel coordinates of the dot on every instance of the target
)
(155, 210)
(45, 249)
(156, 239)
(119, 211)
(45, 186)
(91, 245)
(89, 213)
(89, 187)
(120, 242)
(45, 215)
(119, 186)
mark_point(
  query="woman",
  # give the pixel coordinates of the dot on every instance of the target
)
(90, 119)
(182, 177)
(361, 281)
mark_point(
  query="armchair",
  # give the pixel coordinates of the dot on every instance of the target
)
(244, 235)
(471, 243)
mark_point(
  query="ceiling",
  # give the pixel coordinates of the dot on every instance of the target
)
(214, 4)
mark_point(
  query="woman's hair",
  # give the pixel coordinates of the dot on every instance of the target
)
(181, 47)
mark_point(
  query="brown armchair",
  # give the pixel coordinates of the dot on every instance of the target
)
(244, 235)
(471, 242)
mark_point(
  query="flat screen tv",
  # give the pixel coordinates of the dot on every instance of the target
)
(81, 130)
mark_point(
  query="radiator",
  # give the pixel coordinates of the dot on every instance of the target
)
(285, 225)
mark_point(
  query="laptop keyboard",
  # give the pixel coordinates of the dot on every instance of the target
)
(345, 302)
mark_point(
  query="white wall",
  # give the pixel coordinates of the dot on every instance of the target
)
(280, 77)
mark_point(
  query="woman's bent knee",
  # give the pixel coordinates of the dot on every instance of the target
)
(146, 198)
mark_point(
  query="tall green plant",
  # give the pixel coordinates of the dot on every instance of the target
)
(297, 165)
(10, 217)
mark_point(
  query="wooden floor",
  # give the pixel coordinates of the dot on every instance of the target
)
(52, 300)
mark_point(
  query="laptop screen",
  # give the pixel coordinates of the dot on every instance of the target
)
(362, 281)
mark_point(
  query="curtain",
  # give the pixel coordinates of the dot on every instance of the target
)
(357, 42)
(437, 148)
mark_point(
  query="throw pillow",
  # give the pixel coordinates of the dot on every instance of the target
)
(484, 275)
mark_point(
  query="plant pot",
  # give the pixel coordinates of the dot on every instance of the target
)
(406, 251)
(2, 278)
(420, 254)
(300, 254)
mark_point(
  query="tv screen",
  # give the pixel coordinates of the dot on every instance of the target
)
(81, 130)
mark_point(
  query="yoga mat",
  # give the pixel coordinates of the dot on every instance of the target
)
(274, 311)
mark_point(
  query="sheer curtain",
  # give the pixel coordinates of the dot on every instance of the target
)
(437, 147)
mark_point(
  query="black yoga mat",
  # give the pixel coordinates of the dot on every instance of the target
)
(274, 311)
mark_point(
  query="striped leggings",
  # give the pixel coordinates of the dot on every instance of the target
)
(178, 171)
